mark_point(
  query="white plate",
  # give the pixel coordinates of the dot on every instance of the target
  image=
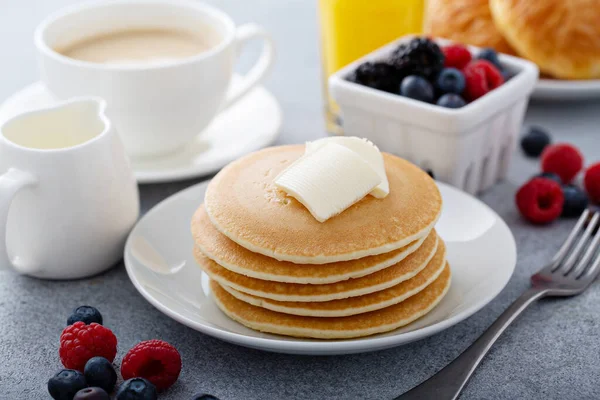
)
(556, 89)
(252, 123)
(158, 258)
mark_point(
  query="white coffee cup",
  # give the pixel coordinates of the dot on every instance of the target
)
(68, 197)
(157, 109)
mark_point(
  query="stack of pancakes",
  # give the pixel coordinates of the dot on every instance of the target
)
(375, 267)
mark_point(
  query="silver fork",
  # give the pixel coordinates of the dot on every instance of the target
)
(569, 273)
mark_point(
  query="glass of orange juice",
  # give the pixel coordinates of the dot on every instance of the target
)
(353, 28)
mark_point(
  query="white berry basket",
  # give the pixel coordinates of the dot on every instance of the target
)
(469, 147)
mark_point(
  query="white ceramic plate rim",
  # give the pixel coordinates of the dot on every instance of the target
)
(317, 347)
(567, 89)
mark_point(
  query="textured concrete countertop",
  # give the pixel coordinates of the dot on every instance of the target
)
(551, 352)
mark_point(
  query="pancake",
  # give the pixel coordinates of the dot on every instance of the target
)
(405, 269)
(562, 37)
(379, 321)
(236, 258)
(244, 204)
(464, 21)
(351, 305)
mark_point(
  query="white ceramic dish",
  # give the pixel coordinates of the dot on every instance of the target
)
(159, 261)
(558, 90)
(469, 147)
(252, 123)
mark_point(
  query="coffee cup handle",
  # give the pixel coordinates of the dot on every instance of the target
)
(10, 184)
(243, 34)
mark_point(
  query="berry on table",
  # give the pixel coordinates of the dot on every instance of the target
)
(481, 77)
(204, 396)
(80, 342)
(490, 55)
(100, 372)
(418, 88)
(563, 159)
(421, 56)
(534, 141)
(456, 56)
(451, 100)
(87, 314)
(137, 389)
(155, 360)
(65, 384)
(450, 80)
(592, 182)
(92, 393)
(540, 200)
(576, 201)
(549, 175)
(377, 75)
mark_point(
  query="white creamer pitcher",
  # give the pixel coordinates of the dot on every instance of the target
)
(68, 197)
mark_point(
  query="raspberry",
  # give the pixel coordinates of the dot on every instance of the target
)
(154, 360)
(592, 182)
(540, 200)
(481, 77)
(456, 56)
(562, 159)
(80, 342)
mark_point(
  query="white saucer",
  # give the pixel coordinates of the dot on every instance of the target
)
(556, 89)
(254, 122)
(159, 261)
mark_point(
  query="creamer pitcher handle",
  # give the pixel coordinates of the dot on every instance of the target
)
(245, 33)
(10, 184)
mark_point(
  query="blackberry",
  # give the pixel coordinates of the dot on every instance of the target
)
(420, 56)
(377, 75)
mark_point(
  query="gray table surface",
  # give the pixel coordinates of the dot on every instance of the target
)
(552, 352)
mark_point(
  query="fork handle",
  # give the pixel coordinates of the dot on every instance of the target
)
(450, 381)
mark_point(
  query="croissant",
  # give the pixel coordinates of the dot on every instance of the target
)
(464, 21)
(561, 36)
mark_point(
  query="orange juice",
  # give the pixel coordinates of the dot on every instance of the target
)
(353, 28)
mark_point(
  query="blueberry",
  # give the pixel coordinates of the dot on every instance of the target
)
(92, 393)
(417, 88)
(576, 201)
(550, 175)
(450, 80)
(451, 100)
(87, 314)
(203, 396)
(534, 141)
(65, 384)
(490, 55)
(137, 389)
(99, 372)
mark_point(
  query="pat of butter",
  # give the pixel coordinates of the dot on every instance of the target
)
(364, 148)
(328, 180)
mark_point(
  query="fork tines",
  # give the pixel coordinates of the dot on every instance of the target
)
(578, 257)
